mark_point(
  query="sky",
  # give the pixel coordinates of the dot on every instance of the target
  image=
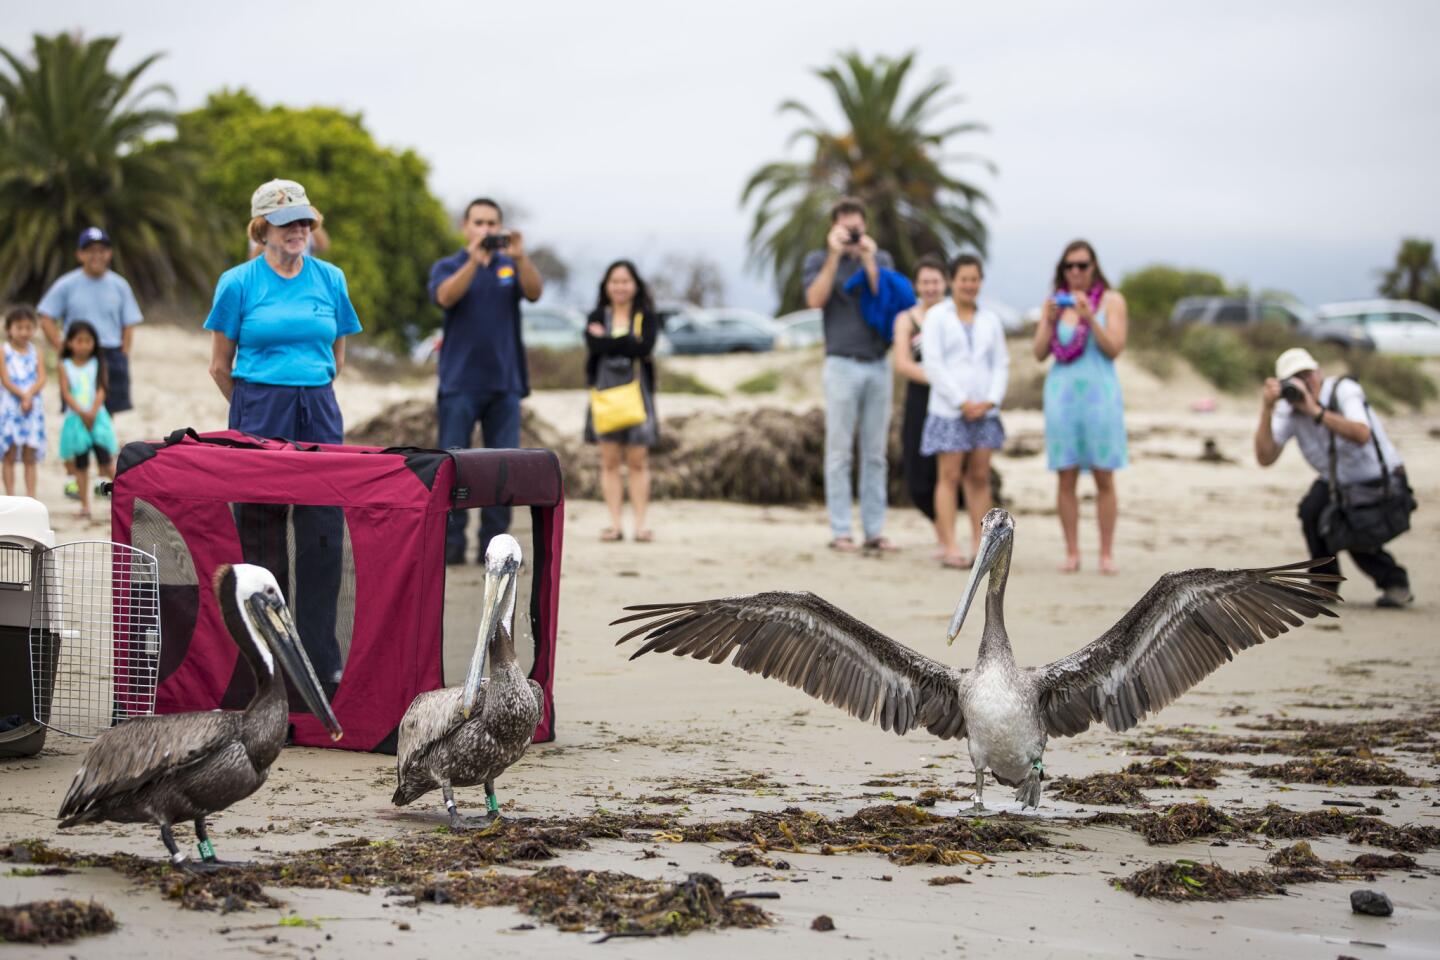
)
(1286, 145)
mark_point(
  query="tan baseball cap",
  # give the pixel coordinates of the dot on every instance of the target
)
(1293, 361)
(281, 202)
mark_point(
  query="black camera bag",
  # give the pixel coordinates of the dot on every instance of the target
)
(1364, 516)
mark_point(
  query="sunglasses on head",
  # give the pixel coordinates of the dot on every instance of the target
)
(1077, 264)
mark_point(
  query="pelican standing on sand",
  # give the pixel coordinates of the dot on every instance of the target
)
(458, 737)
(186, 766)
(1181, 630)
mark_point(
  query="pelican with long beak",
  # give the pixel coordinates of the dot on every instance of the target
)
(1181, 630)
(186, 766)
(463, 736)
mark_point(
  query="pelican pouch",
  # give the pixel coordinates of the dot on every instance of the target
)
(1365, 516)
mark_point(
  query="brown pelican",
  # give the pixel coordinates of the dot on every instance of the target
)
(441, 744)
(1181, 630)
(186, 766)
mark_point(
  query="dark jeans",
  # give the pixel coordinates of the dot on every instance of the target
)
(304, 415)
(499, 417)
(1378, 565)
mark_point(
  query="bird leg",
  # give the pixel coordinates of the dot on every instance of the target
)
(177, 859)
(979, 806)
(486, 824)
(1029, 791)
(209, 863)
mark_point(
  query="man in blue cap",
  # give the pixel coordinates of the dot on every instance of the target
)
(100, 296)
(97, 294)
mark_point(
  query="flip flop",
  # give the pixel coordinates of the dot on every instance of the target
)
(644, 536)
(843, 545)
(880, 545)
(957, 562)
(1071, 565)
(611, 535)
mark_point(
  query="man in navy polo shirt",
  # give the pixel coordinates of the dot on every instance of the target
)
(483, 374)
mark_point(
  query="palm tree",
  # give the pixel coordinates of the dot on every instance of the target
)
(1415, 275)
(890, 157)
(76, 150)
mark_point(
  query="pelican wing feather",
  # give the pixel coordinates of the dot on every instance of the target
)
(142, 751)
(431, 717)
(807, 643)
(1188, 624)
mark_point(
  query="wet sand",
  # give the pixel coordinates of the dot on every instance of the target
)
(728, 743)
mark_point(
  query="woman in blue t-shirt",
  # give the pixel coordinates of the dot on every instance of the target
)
(279, 325)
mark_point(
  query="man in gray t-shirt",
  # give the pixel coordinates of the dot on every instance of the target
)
(857, 378)
(1328, 413)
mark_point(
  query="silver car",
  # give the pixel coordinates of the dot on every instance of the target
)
(547, 327)
(1401, 327)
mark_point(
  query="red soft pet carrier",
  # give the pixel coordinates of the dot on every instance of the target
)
(356, 539)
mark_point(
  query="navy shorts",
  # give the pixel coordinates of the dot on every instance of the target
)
(304, 414)
(117, 380)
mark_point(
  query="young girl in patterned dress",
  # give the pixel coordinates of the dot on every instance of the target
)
(22, 415)
(87, 424)
(1083, 326)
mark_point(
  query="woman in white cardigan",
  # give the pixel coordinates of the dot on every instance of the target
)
(968, 366)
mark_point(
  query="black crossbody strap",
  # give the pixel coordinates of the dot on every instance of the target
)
(1333, 406)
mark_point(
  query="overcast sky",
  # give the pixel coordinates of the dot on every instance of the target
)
(1289, 145)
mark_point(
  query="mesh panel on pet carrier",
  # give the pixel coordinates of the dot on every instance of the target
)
(94, 636)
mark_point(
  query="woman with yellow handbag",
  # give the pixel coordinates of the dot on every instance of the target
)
(619, 339)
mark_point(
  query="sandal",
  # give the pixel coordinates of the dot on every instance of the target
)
(880, 545)
(611, 535)
(644, 536)
(843, 545)
(956, 561)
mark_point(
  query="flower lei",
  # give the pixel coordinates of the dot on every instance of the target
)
(1069, 352)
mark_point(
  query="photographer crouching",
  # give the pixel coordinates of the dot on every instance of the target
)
(1362, 499)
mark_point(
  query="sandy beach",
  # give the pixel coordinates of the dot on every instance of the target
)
(710, 743)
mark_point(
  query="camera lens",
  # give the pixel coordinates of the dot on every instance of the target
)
(854, 236)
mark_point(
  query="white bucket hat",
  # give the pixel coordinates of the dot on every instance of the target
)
(1293, 361)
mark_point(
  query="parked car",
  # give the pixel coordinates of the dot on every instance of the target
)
(1391, 326)
(799, 329)
(721, 330)
(1248, 311)
(549, 327)
(1238, 312)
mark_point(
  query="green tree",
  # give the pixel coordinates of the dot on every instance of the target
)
(81, 146)
(1151, 293)
(891, 154)
(385, 226)
(1415, 275)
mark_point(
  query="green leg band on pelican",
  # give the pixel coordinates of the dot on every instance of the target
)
(492, 803)
(207, 852)
(1038, 766)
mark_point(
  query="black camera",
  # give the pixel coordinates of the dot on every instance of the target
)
(1291, 392)
(495, 241)
(854, 236)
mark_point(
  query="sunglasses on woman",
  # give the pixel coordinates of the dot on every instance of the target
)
(1077, 265)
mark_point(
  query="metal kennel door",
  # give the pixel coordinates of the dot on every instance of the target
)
(94, 636)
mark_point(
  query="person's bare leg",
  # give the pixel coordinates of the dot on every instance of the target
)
(82, 477)
(1107, 507)
(947, 486)
(32, 472)
(637, 464)
(1068, 506)
(977, 493)
(8, 471)
(610, 485)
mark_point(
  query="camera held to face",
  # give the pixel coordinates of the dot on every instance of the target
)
(1292, 392)
(495, 241)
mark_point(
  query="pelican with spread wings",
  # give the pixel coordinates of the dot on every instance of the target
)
(1187, 625)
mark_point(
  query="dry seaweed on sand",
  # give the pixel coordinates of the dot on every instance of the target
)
(1193, 821)
(905, 834)
(53, 921)
(1108, 789)
(1175, 770)
(1336, 771)
(1188, 880)
(1301, 858)
(618, 903)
